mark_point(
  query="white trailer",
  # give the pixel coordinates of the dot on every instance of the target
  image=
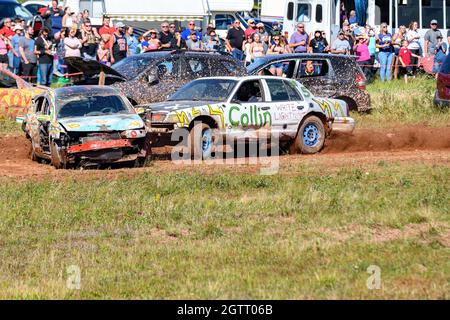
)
(324, 15)
(221, 13)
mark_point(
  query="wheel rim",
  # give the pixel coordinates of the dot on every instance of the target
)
(311, 135)
(207, 142)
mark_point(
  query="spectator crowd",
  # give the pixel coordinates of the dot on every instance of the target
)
(65, 33)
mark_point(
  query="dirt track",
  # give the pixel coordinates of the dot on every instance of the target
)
(405, 144)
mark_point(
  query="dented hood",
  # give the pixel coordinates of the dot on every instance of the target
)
(102, 123)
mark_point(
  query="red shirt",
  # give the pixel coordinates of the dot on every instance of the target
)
(249, 31)
(107, 30)
(405, 54)
(7, 32)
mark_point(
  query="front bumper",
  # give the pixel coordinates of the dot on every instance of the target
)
(343, 125)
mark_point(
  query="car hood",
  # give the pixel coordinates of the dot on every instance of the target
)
(102, 123)
(176, 105)
(92, 68)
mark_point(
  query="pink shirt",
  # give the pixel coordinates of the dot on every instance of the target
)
(74, 43)
(3, 49)
(362, 52)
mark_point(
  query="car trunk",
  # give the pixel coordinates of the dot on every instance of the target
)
(92, 71)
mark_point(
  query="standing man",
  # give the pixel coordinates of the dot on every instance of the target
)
(29, 59)
(299, 40)
(431, 39)
(341, 45)
(186, 34)
(165, 36)
(251, 30)
(119, 48)
(53, 18)
(234, 41)
(106, 32)
(43, 49)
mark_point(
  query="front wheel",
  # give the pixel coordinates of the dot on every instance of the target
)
(311, 136)
(56, 156)
(201, 139)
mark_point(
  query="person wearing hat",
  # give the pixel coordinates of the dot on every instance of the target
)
(341, 45)
(440, 53)
(119, 48)
(263, 33)
(431, 39)
(275, 32)
(251, 30)
(18, 29)
(319, 44)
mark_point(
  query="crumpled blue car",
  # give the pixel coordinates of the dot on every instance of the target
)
(84, 126)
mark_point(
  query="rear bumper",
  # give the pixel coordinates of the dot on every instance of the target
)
(441, 102)
(344, 125)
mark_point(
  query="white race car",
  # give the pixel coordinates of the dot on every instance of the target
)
(243, 108)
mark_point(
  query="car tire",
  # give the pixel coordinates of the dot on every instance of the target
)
(201, 142)
(311, 136)
(56, 160)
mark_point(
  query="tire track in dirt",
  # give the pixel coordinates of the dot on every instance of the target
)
(401, 144)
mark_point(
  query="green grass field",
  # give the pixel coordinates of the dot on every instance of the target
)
(189, 235)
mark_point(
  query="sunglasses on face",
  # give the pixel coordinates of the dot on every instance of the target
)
(165, 26)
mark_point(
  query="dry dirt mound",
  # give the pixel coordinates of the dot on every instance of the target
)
(396, 139)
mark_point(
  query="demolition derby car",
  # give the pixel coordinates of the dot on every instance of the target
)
(84, 126)
(241, 107)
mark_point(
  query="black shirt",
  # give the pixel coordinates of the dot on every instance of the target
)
(41, 47)
(236, 38)
(120, 48)
(165, 38)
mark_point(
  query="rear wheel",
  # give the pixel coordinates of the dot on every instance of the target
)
(311, 136)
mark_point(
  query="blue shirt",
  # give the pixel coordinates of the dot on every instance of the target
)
(133, 45)
(187, 33)
(383, 39)
(15, 42)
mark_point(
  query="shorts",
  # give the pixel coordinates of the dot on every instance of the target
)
(277, 66)
(409, 71)
(4, 59)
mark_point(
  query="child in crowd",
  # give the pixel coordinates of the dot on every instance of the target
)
(246, 47)
(103, 54)
(440, 54)
(404, 56)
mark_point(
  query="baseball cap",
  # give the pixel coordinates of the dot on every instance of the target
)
(260, 24)
(251, 21)
(17, 27)
(120, 25)
(275, 23)
(434, 21)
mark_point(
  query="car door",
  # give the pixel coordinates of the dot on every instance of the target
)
(249, 110)
(287, 105)
(163, 79)
(195, 67)
(317, 75)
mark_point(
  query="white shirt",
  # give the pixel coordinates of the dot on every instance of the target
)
(414, 44)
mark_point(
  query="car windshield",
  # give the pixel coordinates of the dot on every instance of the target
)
(12, 10)
(91, 106)
(133, 67)
(205, 90)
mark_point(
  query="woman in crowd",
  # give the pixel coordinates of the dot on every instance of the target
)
(67, 20)
(413, 38)
(246, 48)
(3, 53)
(386, 52)
(397, 43)
(213, 41)
(257, 49)
(132, 41)
(361, 50)
(72, 46)
(153, 43)
(279, 47)
(318, 44)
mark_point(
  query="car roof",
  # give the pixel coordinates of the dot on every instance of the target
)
(84, 90)
(9, 1)
(244, 78)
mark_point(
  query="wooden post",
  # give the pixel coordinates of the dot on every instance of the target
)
(101, 78)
